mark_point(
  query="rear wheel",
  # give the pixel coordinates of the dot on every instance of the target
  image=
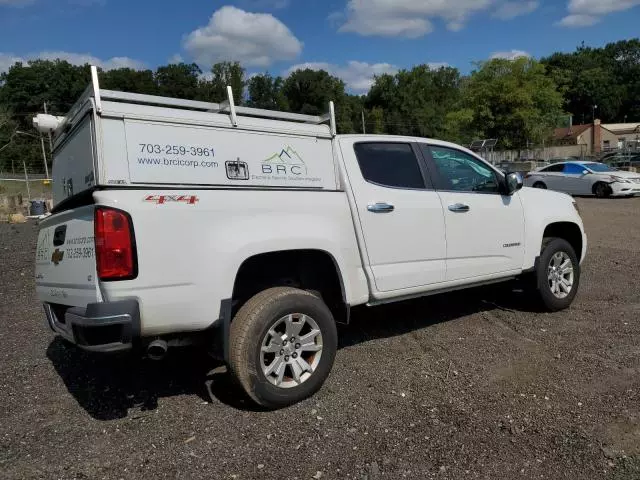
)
(601, 190)
(541, 185)
(282, 345)
(558, 274)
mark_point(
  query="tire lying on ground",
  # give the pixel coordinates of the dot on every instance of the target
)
(282, 346)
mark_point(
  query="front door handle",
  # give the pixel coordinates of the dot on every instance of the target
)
(381, 208)
(459, 208)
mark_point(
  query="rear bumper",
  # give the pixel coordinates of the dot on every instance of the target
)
(100, 327)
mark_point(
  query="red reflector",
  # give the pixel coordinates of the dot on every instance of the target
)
(115, 255)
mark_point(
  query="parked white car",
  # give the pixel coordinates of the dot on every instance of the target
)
(585, 178)
(253, 232)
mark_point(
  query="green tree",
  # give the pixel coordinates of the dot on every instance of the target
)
(266, 91)
(375, 121)
(222, 75)
(178, 80)
(626, 58)
(129, 80)
(416, 101)
(606, 77)
(25, 88)
(511, 100)
(310, 91)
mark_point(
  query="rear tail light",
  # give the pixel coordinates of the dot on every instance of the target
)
(115, 245)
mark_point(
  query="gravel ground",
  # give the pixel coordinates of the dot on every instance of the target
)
(476, 384)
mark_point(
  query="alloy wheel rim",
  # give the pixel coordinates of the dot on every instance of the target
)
(560, 275)
(290, 351)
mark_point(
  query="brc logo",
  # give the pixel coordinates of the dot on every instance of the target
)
(283, 169)
(162, 199)
(285, 162)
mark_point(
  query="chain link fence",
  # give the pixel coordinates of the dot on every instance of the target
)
(18, 191)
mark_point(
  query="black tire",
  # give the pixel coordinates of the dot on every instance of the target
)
(550, 247)
(250, 326)
(601, 190)
(540, 185)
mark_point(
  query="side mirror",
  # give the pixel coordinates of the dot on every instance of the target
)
(585, 172)
(513, 182)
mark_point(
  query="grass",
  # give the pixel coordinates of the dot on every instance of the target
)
(36, 187)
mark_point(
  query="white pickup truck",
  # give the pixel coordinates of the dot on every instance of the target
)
(253, 232)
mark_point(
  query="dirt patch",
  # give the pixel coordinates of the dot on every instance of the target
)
(476, 384)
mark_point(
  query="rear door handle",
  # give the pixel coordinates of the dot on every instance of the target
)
(381, 208)
(459, 208)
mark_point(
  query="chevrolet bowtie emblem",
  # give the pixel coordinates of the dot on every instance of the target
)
(57, 256)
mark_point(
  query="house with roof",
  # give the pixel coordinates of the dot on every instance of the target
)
(628, 134)
(589, 139)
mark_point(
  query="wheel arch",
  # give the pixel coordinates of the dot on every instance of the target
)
(314, 270)
(568, 231)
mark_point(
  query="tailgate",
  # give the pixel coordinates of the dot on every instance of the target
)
(65, 259)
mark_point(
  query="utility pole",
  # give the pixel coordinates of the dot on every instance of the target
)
(364, 129)
(44, 157)
(44, 153)
(46, 168)
(50, 142)
(26, 180)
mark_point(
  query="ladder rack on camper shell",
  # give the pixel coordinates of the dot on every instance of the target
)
(228, 106)
(115, 139)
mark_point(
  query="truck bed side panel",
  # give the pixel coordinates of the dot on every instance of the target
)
(191, 244)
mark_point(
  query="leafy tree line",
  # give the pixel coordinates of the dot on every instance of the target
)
(517, 101)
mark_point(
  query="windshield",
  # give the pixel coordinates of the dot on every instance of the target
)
(599, 167)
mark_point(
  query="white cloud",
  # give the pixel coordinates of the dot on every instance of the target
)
(583, 13)
(509, 10)
(253, 39)
(7, 60)
(175, 58)
(437, 65)
(510, 55)
(358, 76)
(407, 18)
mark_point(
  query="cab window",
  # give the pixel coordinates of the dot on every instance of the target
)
(389, 165)
(461, 172)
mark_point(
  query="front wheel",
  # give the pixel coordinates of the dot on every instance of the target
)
(282, 345)
(601, 190)
(540, 185)
(558, 274)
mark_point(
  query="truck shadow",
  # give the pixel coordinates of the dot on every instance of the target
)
(112, 387)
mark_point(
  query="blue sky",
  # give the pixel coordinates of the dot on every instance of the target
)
(353, 39)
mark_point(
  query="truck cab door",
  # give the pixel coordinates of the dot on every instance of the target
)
(485, 229)
(398, 215)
